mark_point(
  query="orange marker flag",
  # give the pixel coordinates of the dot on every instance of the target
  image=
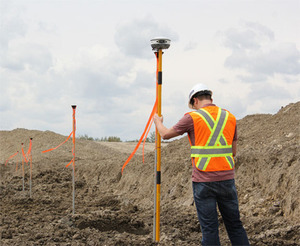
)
(148, 126)
(59, 144)
(29, 149)
(24, 154)
(73, 132)
(142, 137)
(11, 157)
(146, 137)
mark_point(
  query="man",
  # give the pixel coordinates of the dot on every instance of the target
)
(213, 138)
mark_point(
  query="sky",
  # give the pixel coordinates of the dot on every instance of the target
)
(96, 54)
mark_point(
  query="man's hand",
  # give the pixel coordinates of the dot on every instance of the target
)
(157, 119)
(163, 131)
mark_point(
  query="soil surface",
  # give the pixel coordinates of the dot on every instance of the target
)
(115, 209)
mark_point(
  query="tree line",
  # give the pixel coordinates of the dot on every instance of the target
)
(150, 139)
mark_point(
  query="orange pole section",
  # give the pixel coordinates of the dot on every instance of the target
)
(30, 157)
(73, 176)
(23, 172)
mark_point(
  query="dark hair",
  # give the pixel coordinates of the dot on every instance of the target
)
(201, 95)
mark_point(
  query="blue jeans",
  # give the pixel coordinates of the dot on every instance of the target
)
(207, 195)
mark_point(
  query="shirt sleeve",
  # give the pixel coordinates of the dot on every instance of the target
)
(235, 137)
(185, 124)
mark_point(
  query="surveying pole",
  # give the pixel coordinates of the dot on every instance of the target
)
(23, 171)
(158, 44)
(30, 180)
(73, 166)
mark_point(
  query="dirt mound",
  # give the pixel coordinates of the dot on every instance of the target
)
(111, 209)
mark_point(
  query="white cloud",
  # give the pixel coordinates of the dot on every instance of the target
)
(255, 50)
(99, 57)
(12, 25)
(190, 46)
(133, 38)
(30, 56)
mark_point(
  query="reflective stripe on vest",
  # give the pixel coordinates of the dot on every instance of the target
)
(211, 148)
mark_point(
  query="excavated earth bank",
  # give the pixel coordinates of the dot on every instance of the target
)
(111, 209)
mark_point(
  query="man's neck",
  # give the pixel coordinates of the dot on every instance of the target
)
(203, 102)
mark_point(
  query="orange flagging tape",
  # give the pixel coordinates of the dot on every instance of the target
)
(146, 137)
(28, 152)
(29, 149)
(24, 155)
(142, 137)
(72, 161)
(58, 145)
(148, 126)
(12, 156)
(73, 149)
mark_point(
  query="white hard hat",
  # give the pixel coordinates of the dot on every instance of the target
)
(197, 88)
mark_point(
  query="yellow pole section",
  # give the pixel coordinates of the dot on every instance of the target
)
(158, 139)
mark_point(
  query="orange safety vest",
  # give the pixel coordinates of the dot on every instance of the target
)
(214, 131)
